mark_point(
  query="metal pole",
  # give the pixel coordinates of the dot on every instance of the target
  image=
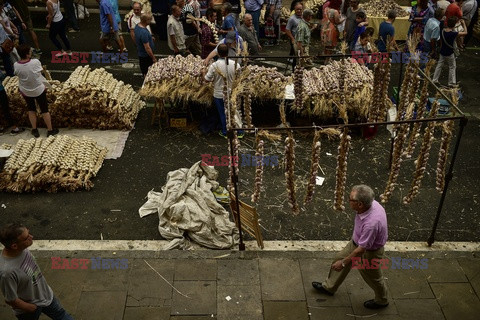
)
(448, 177)
(241, 246)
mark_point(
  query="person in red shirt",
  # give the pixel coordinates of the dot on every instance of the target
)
(454, 10)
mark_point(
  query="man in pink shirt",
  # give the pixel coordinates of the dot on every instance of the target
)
(366, 249)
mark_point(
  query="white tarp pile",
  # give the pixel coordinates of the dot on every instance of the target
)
(188, 210)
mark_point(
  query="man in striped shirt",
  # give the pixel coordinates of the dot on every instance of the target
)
(191, 29)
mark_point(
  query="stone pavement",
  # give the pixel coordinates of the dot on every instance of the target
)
(208, 284)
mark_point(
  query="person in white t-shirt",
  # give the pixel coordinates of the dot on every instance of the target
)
(31, 85)
(135, 19)
(219, 72)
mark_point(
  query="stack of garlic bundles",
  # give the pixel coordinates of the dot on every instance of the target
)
(18, 106)
(263, 83)
(178, 79)
(314, 5)
(56, 163)
(88, 99)
(380, 8)
(321, 89)
(95, 99)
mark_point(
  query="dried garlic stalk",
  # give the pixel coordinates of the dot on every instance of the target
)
(398, 145)
(313, 167)
(447, 134)
(259, 169)
(341, 172)
(412, 141)
(289, 164)
(421, 162)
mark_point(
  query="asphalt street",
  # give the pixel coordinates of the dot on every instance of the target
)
(110, 209)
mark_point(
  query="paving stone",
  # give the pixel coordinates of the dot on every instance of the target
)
(444, 270)
(147, 313)
(195, 270)
(105, 305)
(419, 309)
(331, 313)
(285, 310)
(408, 284)
(67, 285)
(281, 280)
(202, 298)
(471, 267)
(111, 280)
(457, 300)
(146, 287)
(238, 272)
(360, 292)
(245, 302)
(317, 270)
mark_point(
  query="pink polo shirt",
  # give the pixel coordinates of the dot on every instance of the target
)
(370, 230)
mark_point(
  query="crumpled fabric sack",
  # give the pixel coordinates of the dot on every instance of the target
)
(187, 210)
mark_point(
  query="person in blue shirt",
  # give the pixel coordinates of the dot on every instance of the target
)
(448, 37)
(228, 20)
(144, 43)
(118, 21)
(387, 31)
(109, 28)
(431, 34)
(361, 20)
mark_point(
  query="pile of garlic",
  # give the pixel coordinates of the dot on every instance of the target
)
(56, 163)
(88, 99)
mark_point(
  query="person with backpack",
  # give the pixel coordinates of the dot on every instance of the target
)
(447, 51)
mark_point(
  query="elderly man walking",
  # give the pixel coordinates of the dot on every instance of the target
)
(21, 280)
(248, 34)
(370, 234)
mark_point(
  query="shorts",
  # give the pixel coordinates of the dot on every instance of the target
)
(109, 36)
(28, 22)
(42, 102)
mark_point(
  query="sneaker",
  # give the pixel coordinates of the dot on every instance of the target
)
(35, 133)
(124, 50)
(37, 51)
(74, 30)
(221, 134)
(53, 132)
(109, 48)
(240, 135)
(17, 131)
(60, 54)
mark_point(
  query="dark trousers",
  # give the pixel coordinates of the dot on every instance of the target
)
(5, 107)
(55, 311)
(221, 113)
(145, 63)
(294, 54)
(70, 14)
(21, 36)
(58, 28)
(7, 64)
(160, 27)
(470, 27)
